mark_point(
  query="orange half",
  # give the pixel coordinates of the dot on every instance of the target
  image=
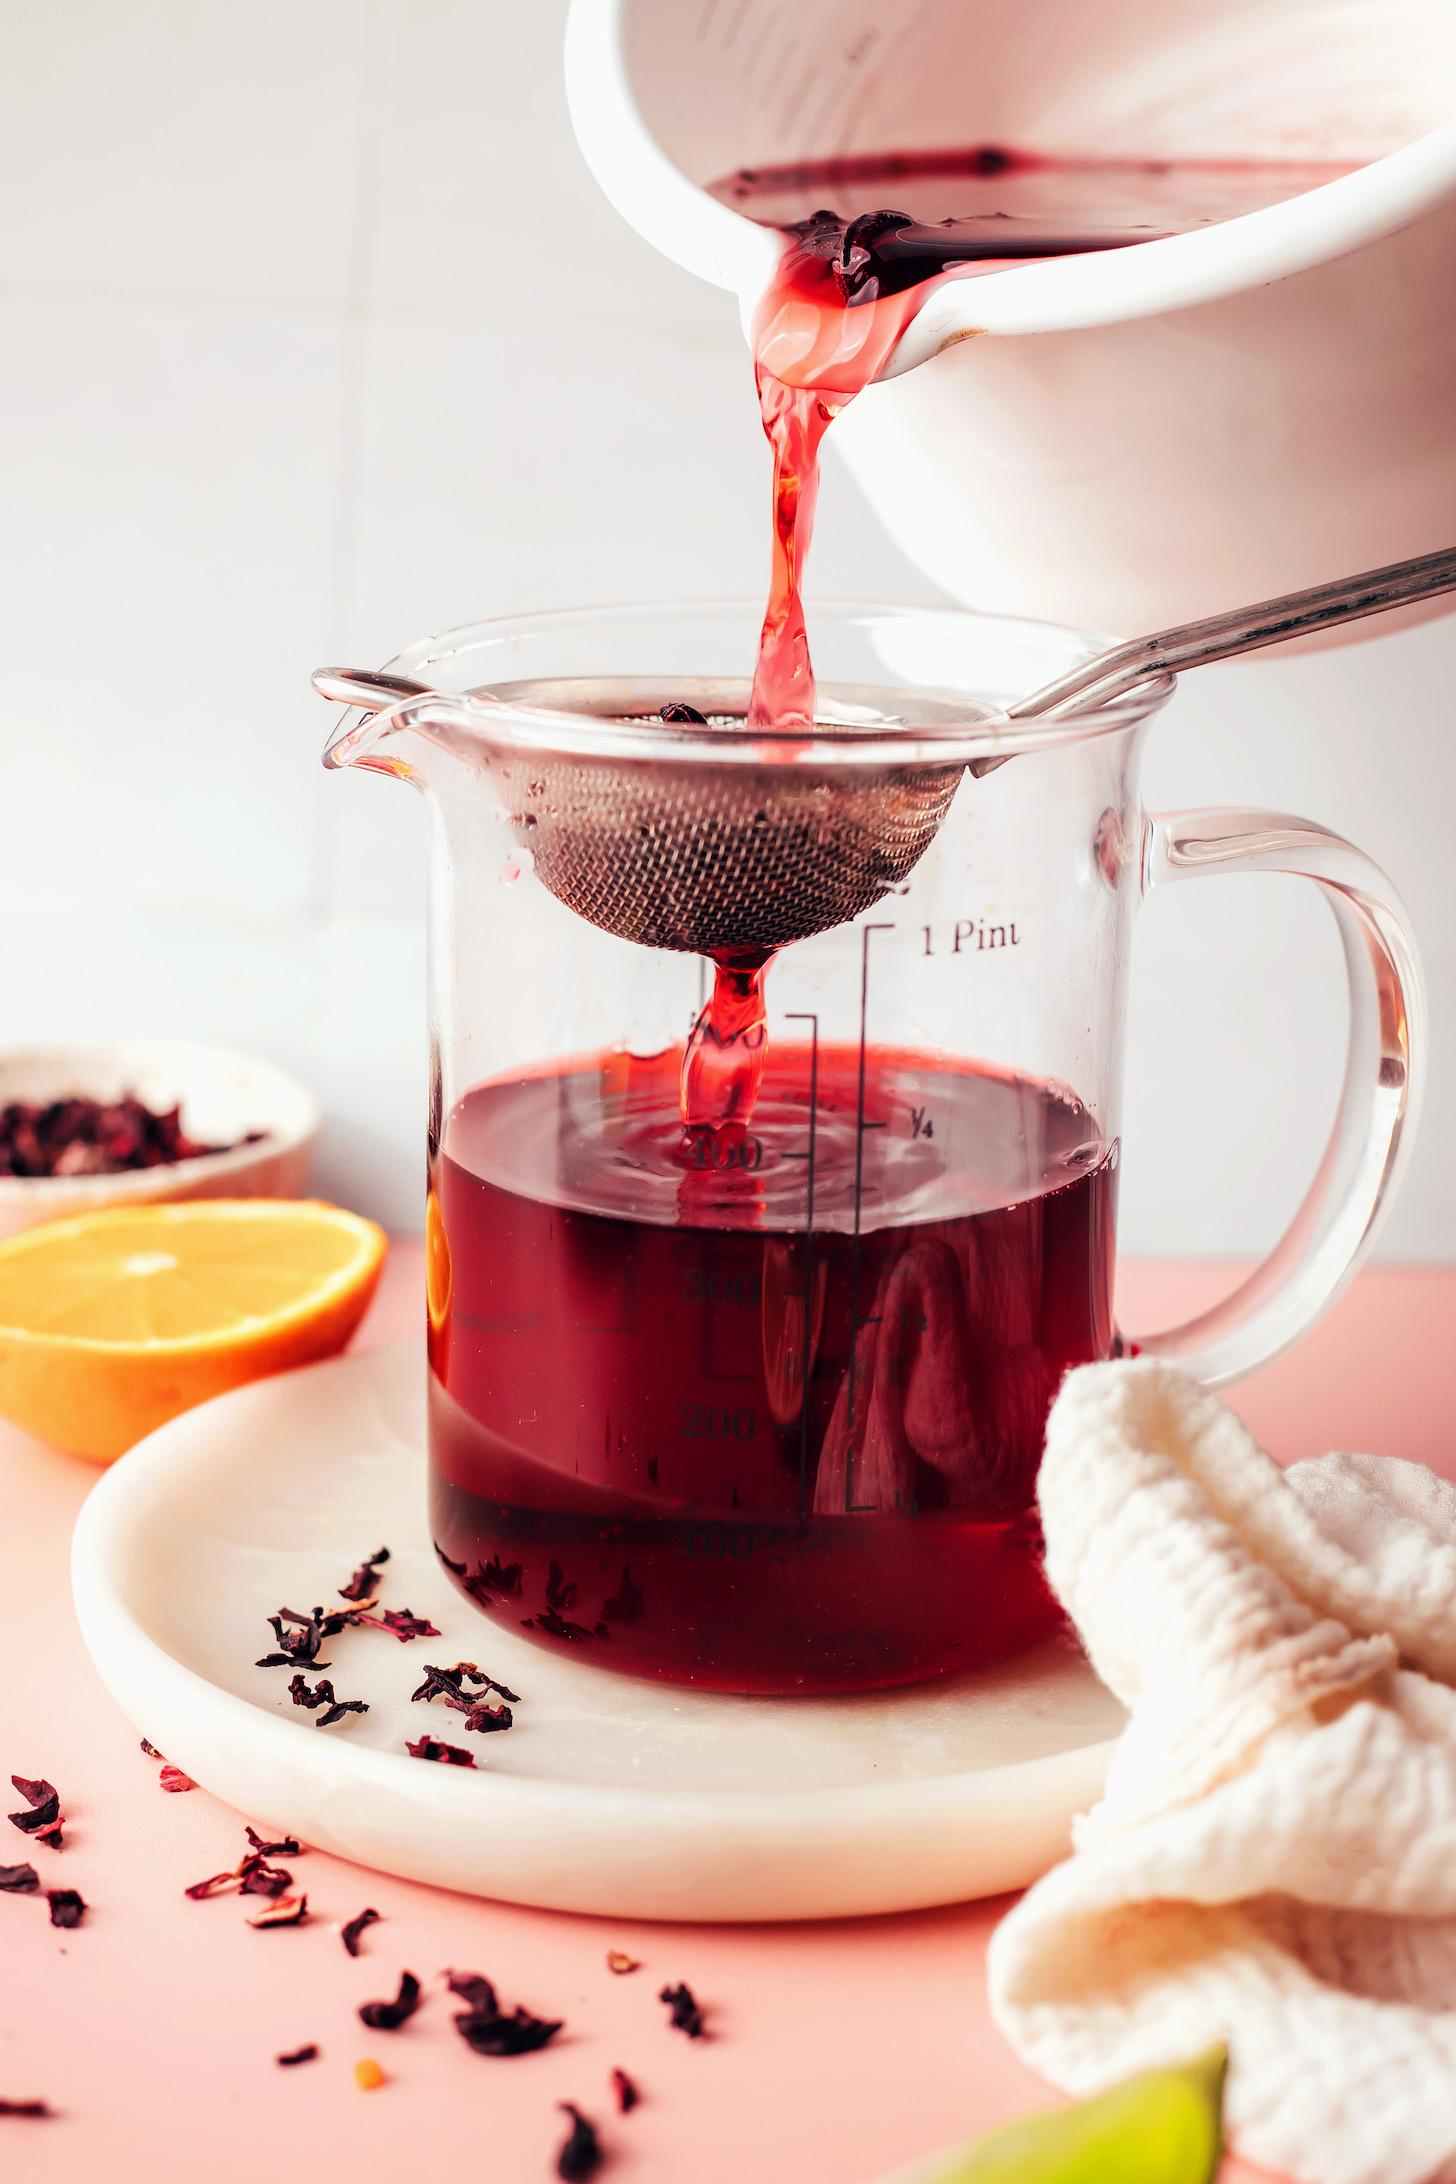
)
(115, 1321)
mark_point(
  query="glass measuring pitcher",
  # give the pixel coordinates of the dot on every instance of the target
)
(744, 1320)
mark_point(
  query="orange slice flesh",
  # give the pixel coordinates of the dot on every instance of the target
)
(115, 1321)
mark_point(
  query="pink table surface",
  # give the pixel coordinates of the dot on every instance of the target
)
(839, 2051)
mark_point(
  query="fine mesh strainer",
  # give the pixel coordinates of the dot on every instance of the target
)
(747, 857)
(711, 859)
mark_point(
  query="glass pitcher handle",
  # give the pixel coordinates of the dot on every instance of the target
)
(1384, 1068)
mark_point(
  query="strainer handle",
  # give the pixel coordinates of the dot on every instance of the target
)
(366, 687)
(1244, 629)
(1384, 1068)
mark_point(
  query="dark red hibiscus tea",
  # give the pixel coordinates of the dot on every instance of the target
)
(762, 1410)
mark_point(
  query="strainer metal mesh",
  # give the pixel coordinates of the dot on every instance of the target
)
(710, 859)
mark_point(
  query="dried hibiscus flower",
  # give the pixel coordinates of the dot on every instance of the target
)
(217, 1884)
(251, 1876)
(44, 1817)
(581, 2153)
(288, 1848)
(361, 1584)
(307, 2054)
(172, 1778)
(400, 1624)
(449, 1684)
(626, 2092)
(25, 2108)
(683, 2009)
(300, 1636)
(282, 1911)
(18, 1880)
(486, 1718)
(151, 1750)
(257, 1878)
(389, 2016)
(322, 1695)
(350, 1934)
(484, 2026)
(82, 1136)
(67, 1908)
(449, 1755)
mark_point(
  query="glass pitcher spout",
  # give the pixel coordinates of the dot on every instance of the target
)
(392, 724)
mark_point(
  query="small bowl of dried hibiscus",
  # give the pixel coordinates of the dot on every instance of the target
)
(82, 1127)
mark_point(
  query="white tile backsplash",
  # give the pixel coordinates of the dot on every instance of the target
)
(285, 377)
(182, 147)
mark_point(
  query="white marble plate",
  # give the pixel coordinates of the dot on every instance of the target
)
(611, 1794)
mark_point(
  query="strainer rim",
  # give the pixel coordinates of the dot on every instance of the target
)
(627, 741)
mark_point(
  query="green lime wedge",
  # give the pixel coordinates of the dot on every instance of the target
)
(1161, 2127)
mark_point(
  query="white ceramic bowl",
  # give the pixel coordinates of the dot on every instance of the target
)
(223, 1096)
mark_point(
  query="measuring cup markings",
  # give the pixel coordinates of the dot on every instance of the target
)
(809, 1338)
(861, 1127)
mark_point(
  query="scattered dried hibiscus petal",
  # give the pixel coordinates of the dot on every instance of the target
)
(684, 2011)
(449, 1684)
(172, 1778)
(300, 1636)
(518, 2034)
(400, 1624)
(449, 1755)
(288, 1848)
(350, 1934)
(389, 2016)
(25, 2108)
(307, 2054)
(484, 1719)
(619, 1961)
(216, 1885)
(252, 1875)
(67, 1908)
(626, 2092)
(282, 1911)
(44, 1816)
(322, 1695)
(151, 1750)
(257, 1878)
(581, 2153)
(361, 1584)
(484, 2026)
(18, 1880)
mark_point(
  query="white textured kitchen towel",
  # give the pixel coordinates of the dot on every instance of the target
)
(1274, 1859)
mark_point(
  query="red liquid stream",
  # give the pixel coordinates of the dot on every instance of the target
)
(851, 278)
(848, 283)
